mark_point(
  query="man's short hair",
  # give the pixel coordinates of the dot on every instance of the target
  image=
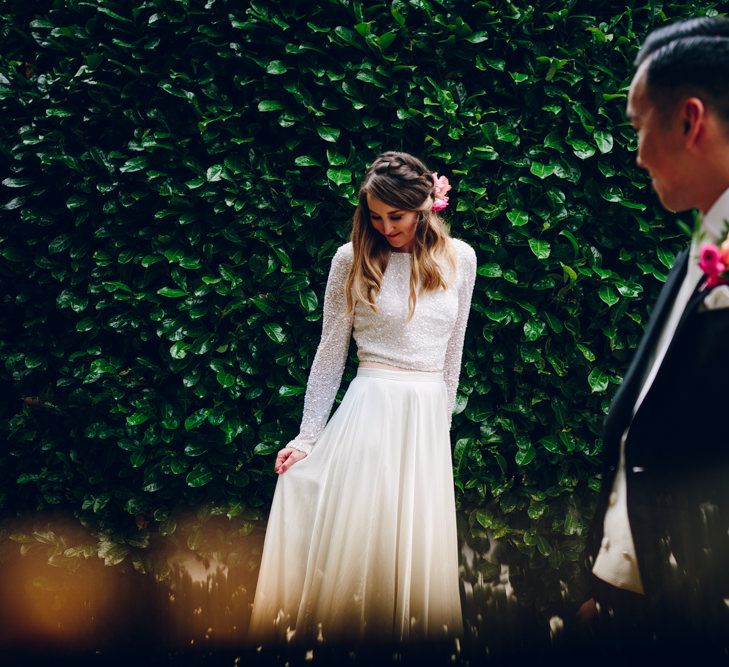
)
(689, 57)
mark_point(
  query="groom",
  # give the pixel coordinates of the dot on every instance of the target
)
(659, 547)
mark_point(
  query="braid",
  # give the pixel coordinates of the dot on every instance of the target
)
(400, 180)
(404, 171)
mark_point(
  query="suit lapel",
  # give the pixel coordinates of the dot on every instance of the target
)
(622, 405)
(696, 296)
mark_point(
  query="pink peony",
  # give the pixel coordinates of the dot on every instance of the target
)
(440, 203)
(441, 186)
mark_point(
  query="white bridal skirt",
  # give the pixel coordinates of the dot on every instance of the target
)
(361, 540)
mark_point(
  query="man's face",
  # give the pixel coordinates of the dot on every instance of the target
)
(660, 145)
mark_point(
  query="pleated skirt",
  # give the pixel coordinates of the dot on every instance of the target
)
(361, 540)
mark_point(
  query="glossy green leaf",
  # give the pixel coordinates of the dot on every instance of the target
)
(276, 67)
(518, 218)
(328, 133)
(525, 456)
(306, 161)
(225, 379)
(477, 37)
(540, 248)
(171, 292)
(275, 332)
(604, 141)
(196, 419)
(138, 418)
(541, 170)
(339, 176)
(598, 380)
(200, 475)
(490, 270)
(309, 300)
(608, 295)
(270, 105)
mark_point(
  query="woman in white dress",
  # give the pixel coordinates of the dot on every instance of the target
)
(361, 540)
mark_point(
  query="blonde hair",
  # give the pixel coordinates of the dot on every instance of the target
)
(400, 180)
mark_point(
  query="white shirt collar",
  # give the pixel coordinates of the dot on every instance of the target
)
(713, 225)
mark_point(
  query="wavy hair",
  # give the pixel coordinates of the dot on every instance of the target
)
(403, 181)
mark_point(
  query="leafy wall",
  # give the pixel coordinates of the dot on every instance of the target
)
(177, 176)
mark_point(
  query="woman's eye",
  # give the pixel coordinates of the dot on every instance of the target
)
(395, 217)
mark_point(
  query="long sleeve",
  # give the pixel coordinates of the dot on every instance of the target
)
(326, 370)
(454, 350)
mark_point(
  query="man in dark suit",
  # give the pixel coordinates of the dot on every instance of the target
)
(659, 547)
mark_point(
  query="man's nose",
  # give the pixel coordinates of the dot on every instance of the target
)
(639, 161)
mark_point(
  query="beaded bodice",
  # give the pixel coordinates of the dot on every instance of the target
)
(432, 340)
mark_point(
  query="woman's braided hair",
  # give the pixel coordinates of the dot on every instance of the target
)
(403, 181)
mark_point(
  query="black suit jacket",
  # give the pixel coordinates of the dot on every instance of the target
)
(677, 463)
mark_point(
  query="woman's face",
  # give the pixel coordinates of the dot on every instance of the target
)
(397, 226)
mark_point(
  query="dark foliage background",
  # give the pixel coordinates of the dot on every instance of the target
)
(178, 174)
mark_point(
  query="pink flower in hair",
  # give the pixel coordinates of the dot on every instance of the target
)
(440, 203)
(441, 186)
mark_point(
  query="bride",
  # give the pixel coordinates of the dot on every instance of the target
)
(361, 539)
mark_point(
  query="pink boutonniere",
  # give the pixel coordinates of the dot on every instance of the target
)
(441, 186)
(714, 262)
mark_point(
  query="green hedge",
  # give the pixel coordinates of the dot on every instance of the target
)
(179, 175)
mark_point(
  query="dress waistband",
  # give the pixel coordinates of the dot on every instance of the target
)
(406, 375)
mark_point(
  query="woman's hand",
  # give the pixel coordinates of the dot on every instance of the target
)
(286, 457)
(587, 614)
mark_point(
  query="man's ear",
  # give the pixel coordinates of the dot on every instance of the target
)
(693, 113)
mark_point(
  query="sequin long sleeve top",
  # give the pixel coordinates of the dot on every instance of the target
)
(432, 340)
